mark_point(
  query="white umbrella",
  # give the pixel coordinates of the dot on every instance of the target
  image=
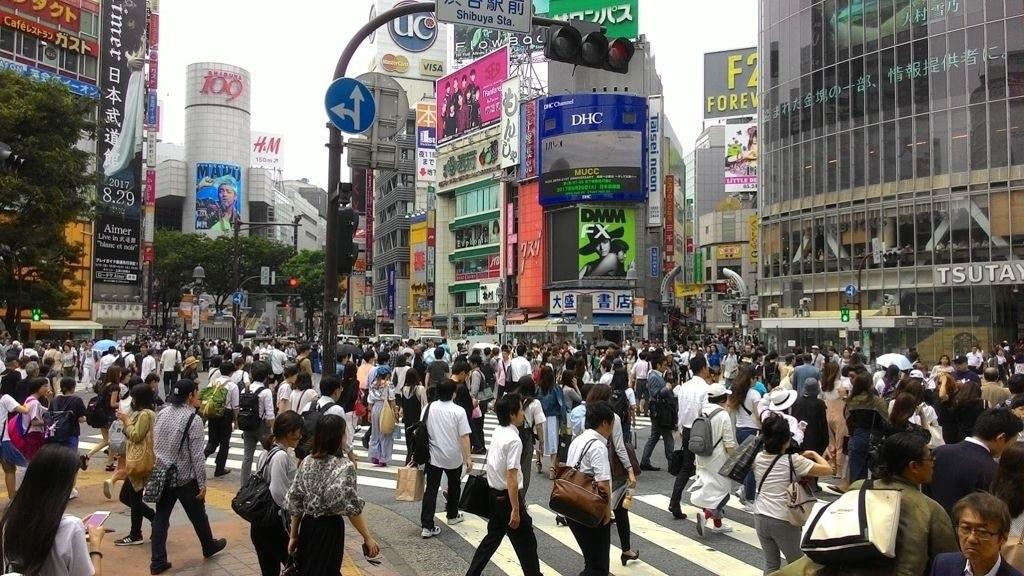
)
(899, 360)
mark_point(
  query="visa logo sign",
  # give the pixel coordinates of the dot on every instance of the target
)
(587, 119)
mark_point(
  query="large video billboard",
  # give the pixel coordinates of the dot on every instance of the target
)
(592, 148)
(730, 83)
(218, 198)
(740, 158)
(471, 98)
(606, 242)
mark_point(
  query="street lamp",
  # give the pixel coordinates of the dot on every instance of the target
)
(198, 275)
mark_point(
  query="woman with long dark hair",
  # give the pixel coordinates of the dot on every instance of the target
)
(110, 387)
(620, 386)
(965, 407)
(278, 466)
(140, 458)
(413, 397)
(534, 422)
(553, 404)
(349, 394)
(322, 494)
(867, 420)
(743, 403)
(1008, 485)
(42, 539)
(303, 395)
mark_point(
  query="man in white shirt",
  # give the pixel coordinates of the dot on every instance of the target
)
(448, 430)
(519, 366)
(221, 427)
(327, 404)
(106, 361)
(589, 451)
(975, 358)
(639, 377)
(277, 359)
(250, 438)
(148, 364)
(691, 396)
(505, 479)
(170, 361)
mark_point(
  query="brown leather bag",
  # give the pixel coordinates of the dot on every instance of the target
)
(579, 497)
(618, 470)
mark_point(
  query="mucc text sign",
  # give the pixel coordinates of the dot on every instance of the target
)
(965, 274)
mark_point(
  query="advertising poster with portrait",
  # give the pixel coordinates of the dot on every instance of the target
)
(606, 242)
(218, 198)
(740, 158)
(471, 98)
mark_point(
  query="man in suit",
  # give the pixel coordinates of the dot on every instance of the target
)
(982, 526)
(970, 466)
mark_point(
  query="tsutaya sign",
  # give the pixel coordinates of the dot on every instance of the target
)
(994, 273)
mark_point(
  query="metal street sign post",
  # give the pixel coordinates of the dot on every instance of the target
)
(350, 106)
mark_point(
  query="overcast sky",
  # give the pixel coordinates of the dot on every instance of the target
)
(291, 50)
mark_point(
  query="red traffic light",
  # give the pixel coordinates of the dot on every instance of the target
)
(565, 43)
(293, 282)
(620, 52)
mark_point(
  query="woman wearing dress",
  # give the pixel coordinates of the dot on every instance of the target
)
(278, 466)
(322, 494)
(381, 394)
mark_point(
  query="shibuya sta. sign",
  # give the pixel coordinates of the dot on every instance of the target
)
(966, 274)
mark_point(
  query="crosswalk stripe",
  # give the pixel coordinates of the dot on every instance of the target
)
(739, 531)
(473, 529)
(545, 521)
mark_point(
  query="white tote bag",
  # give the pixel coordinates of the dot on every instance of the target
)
(858, 528)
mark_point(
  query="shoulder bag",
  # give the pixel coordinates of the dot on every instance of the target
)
(1013, 551)
(164, 476)
(254, 502)
(741, 460)
(579, 496)
(857, 529)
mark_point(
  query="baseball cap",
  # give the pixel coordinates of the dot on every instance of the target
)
(716, 390)
(917, 374)
(960, 360)
(181, 391)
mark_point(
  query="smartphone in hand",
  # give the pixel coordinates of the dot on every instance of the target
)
(97, 518)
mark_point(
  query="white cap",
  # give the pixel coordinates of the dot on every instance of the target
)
(917, 374)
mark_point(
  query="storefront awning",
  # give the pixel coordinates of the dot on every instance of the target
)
(463, 287)
(65, 325)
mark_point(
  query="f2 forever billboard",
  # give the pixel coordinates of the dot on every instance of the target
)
(592, 148)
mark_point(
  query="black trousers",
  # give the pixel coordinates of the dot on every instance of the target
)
(429, 506)
(133, 500)
(169, 379)
(523, 539)
(594, 544)
(219, 439)
(271, 544)
(476, 437)
(195, 510)
(688, 470)
(622, 527)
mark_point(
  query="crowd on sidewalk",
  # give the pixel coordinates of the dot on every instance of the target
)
(734, 419)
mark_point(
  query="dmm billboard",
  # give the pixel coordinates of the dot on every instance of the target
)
(605, 241)
(592, 148)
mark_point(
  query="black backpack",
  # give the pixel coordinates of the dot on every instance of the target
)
(620, 404)
(254, 502)
(310, 420)
(665, 411)
(98, 410)
(59, 422)
(489, 377)
(420, 440)
(249, 409)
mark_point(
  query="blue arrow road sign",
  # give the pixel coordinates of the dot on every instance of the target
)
(236, 298)
(350, 105)
(850, 290)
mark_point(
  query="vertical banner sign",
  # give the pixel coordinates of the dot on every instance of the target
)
(150, 187)
(391, 291)
(510, 122)
(122, 109)
(528, 141)
(654, 136)
(154, 49)
(511, 239)
(670, 220)
(426, 143)
(655, 262)
(431, 246)
(754, 227)
(741, 158)
(369, 220)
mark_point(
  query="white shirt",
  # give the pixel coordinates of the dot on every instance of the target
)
(70, 553)
(691, 396)
(771, 499)
(148, 365)
(266, 401)
(336, 410)
(595, 460)
(968, 571)
(975, 359)
(232, 400)
(301, 400)
(745, 415)
(640, 369)
(606, 378)
(502, 456)
(284, 392)
(277, 360)
(9, 405)
(446, 425)
(108, 360)
(534, 414)
(168, 359)
(518, 368)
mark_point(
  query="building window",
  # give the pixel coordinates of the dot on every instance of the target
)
(477, 235)
(69, 61)
(90, 23)
(477, 201)
(7, 37)
(29, 47)
(89, 67)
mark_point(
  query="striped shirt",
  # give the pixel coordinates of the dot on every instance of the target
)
(187, 456)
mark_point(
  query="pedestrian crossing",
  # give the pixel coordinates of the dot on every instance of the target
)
(377, 477)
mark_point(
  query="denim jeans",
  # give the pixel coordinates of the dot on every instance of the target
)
(652, 441)
(859, 444)
(195, 510)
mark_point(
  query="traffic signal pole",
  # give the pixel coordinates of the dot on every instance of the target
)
(335, 147)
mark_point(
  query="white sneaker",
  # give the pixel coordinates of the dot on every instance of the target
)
(748, 507)
(724, 529)
(74, 494)
(456, 520)
(430, 532)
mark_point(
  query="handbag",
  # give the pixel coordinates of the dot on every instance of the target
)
(410, 485)
(578, 496)
(799, 498)
(1013, 551)
(140, 458)
(741, 461)
(474, 498)
(564, 440)
(254, 502)
(858, 528)
(618, 470)
(387, 419)
(164, 475)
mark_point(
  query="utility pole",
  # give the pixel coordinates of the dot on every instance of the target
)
(335, 147)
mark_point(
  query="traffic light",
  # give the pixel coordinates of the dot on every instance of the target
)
(844, 314)
(9, 161)
(564, 43)
(348, 252)
(37, 314)
(293, 282)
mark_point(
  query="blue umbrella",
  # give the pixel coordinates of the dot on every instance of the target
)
(104, 345)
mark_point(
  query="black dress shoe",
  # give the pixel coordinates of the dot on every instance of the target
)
(218, 545)
(677, 514)
(160, 569)
(649, 468)
(218, 474)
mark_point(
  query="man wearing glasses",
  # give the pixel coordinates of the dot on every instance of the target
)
(982, 527)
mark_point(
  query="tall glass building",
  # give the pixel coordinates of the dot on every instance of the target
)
(892, 160)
